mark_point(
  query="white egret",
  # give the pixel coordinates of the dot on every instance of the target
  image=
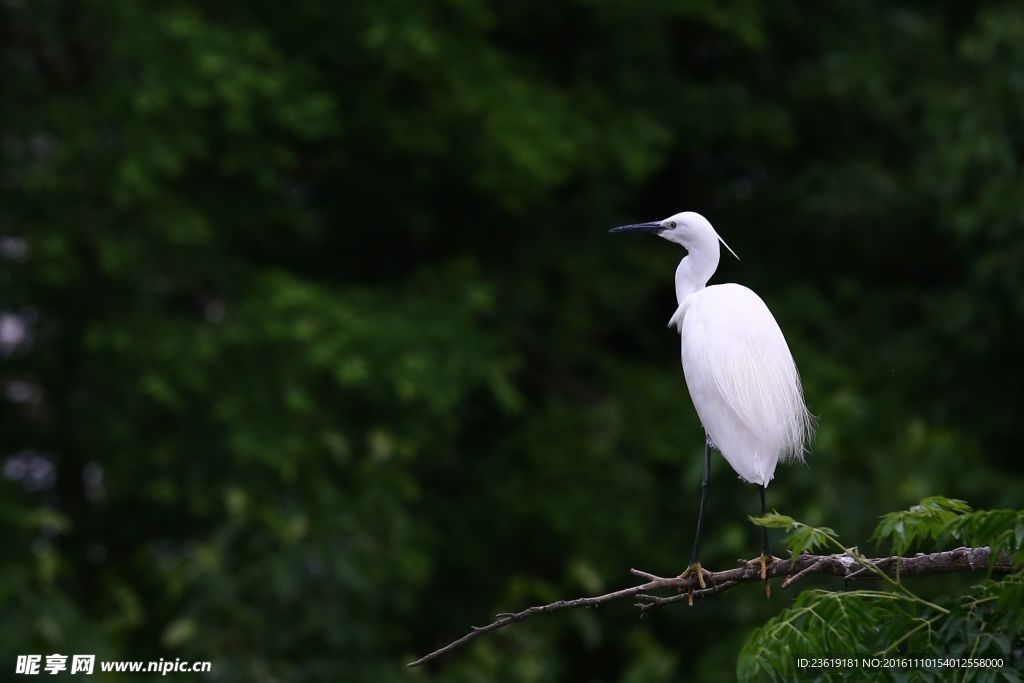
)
(740, 373)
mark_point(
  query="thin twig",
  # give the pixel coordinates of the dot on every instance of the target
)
(510, 618)
(648, 602)
(802, 573)
(959, 560)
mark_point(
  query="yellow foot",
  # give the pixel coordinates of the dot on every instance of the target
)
(695, 568)
(763, 562)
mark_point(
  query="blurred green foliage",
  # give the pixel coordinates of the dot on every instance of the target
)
(316, 350)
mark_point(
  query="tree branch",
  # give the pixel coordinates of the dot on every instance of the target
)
(842, 565)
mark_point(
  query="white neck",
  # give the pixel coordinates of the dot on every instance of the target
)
(697, 266)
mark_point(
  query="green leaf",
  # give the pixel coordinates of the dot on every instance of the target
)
(773, 520)
(929, 520)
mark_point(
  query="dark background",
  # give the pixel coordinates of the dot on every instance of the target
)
(316, 350)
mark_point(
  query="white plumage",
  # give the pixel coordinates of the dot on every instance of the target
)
(742, 380)
(740, 373)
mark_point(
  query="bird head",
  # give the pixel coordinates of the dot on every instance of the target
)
(686, 228)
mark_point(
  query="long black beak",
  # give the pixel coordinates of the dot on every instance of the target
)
(639, 227)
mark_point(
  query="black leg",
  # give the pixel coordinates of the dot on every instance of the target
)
(704, 486)
(764, 529)
(764, 550)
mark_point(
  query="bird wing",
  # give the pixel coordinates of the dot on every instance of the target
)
(741, 375)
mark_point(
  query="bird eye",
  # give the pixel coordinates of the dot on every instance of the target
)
(672, 225)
